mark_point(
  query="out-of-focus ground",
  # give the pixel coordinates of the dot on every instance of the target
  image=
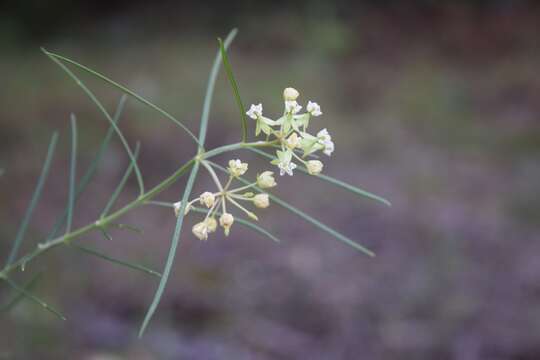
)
(437, 111)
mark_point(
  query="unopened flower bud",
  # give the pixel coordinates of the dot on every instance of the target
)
(266, 180)
(207, 199)
(178, 205)
(200, 230)
(290, 94)
(314, 167)
(261, 201)
(226, 220)
(293, 141)
(237, 168)
(211, 223)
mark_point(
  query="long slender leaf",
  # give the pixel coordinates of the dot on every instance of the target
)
(344, 185)
(307, 217)
(210, 88)
(17, 297)
(244, 222)
(125, 263)
(34, 298)
(122, 183)
(35, 198)
(234, 86)
(172, 250)
(104, 111)
(72, 173)
(89, 174)
(123, 89)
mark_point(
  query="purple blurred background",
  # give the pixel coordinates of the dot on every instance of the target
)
(433, 105)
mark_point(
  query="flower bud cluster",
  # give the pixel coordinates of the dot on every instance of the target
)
(290, 130)
(211, 202)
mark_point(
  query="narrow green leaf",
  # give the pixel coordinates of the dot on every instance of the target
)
(123, 89)
(172, 250)
(244, 222)
(100, 106)
(72, 173)
(234, 86)
(210, 88)
(344, 185)
(34, 298)
(16, 298)
(125, 263)
(89, 174)
(35, 198)
(307, 217)
(122, 183)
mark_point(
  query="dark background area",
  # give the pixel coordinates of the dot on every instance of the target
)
(432, 104)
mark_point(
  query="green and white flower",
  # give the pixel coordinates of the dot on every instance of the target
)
(237, 168)
(261, 201)
(255, 111)
(266, 180)
(326, 141)
(313, 108)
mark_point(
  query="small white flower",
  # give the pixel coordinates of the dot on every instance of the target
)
(177, 206)
(314, 167)
(237, 168)
(325, 140)
(211, 225)
(255, 111)
(286, 168)
(290, 94)
(200, 230)
(207, 199)
(226, 220)
(293, 141)
(266, 180)
(261, 201)
(313, 108)
(292, 107)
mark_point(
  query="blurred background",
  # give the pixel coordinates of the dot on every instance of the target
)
(432, 104)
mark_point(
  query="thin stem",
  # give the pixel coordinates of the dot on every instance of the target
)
(141, 200)
(213, 175)
(72, 173)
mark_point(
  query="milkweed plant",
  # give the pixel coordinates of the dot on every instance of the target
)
(289, 142)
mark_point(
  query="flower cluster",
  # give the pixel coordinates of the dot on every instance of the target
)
(291, 136)
(211, 202)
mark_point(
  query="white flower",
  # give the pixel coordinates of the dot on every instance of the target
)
(211, 225)
(314, 167)
(266, 180)
(286, 167)
(293, 141)
(226, 220)
(290, 94)
(178, 205)
(207, 199)
(313, 108)
(255, 111)
(237, 168)
(200, 230)
(261, 201)
(325, 140)
(292, 107)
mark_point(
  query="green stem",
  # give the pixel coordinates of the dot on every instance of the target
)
(141, 200)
